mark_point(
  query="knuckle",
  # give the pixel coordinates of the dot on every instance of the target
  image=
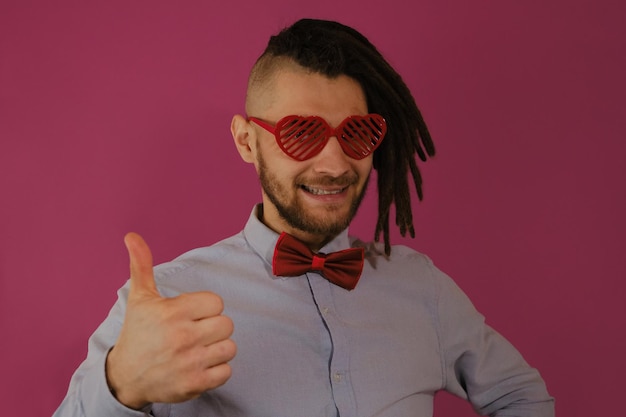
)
(218, 375)
(217, 302)
(225, 350)
(169, 311)
(227, 325)
(184, 336)
(205, 299)
(229, 349)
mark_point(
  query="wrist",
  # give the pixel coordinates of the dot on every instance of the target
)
(116, 388)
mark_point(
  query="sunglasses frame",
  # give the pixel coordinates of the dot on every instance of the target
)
(355, 148)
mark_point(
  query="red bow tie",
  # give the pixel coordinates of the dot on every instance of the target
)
(293, 258)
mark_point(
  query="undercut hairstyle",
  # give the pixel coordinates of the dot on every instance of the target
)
(332, 49)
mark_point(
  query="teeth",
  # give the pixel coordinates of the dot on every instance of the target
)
(321, 192)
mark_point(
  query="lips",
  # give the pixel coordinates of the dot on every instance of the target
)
(320, 191)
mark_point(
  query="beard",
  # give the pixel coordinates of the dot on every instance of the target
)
(293, 211)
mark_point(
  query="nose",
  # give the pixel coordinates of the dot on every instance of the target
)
(332, 160)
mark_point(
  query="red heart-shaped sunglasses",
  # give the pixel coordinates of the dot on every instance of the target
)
(303, 137)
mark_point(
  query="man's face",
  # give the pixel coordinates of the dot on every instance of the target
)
(317, 198)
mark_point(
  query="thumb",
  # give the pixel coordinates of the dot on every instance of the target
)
(141, 271)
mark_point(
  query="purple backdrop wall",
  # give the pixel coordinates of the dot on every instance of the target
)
(114, 116)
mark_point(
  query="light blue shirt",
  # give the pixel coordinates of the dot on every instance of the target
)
(308, 348)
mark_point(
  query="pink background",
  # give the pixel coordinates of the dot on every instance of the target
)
(114, 116)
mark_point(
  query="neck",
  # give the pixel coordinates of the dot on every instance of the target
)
(313, 241)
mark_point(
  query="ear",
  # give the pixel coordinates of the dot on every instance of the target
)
(244, 137)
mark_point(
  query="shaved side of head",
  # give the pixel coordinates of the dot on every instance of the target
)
(260, 93)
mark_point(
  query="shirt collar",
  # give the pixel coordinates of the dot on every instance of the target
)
(262, 239)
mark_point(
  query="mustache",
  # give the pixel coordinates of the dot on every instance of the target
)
(329, 181)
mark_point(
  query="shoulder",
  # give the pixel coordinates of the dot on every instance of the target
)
(400, 254)
(229, 247)
(408, 269)
(196, 269)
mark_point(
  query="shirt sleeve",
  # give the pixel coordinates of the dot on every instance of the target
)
(480, 365)
(88, 394)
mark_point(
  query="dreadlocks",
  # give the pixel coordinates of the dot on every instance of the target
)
(333, 49)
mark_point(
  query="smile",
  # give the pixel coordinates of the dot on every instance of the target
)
(317, 191)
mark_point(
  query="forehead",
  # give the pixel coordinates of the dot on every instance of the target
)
(297, 91)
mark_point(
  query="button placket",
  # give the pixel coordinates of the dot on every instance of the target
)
(339, 376)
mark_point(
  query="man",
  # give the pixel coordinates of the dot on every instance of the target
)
(353, 330)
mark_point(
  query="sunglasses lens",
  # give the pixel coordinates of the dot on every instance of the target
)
(304, 137)
(301, 137)
(362, 135)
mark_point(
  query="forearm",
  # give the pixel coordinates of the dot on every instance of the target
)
(482, 366)
(522, 395)
(89, 395)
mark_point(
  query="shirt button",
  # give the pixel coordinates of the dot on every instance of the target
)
(325, 311)
(337, 377)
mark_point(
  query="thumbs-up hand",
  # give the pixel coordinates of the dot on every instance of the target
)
(169, 349)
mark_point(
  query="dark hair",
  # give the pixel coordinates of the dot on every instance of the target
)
(333, 49)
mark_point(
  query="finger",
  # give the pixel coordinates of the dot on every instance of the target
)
(214, 377)
(200, 305)
(220, 353)
(207, 370)
(141, 267)
(213, 330)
